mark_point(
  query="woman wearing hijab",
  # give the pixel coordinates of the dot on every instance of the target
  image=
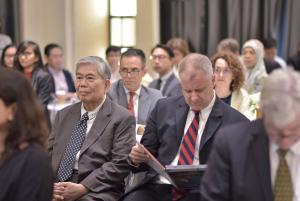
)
(252, 54)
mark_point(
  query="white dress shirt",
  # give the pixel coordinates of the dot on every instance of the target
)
(293, 161)
(135, 100)
(136, 108)
(61, 85)
(203, 117)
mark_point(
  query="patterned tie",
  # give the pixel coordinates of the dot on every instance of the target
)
(187, 150)
(131, 104)
(74, 145)
(283, 188)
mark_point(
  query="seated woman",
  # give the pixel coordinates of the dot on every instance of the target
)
(228, 80)
(252, 55)
(29, 62)
(25, 171)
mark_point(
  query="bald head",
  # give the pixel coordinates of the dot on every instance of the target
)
(196, 73)
(195, 62)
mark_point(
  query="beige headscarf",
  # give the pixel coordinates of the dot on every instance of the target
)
(255, 76)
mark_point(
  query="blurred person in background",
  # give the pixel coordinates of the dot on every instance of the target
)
(253, 54)
(260, 160)
(162, 61)
(180, 49)
(294, 61)
(113, 56)
(8, 55)
(28, 60)
(228, 83)
(25, 171)
(229, 45)
(270, 51)
(63, 81)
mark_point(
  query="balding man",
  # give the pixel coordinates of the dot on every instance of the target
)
(170, 124)
(260, 161)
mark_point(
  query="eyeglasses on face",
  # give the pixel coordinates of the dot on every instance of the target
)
(224, 71)
(134, 71)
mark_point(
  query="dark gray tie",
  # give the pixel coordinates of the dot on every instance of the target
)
(158, 85)
(74, 145)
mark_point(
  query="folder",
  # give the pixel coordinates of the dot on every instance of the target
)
(180, 176)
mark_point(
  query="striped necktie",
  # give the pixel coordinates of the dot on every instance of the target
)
(187, 149)
(283, 188)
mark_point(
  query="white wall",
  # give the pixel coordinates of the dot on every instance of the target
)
(81, 26)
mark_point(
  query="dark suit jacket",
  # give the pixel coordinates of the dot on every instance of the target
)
(102, 164)
(43, 85)
(165, 129)
(69, 79)
(171, 88)
(147, 99)
(239, 165)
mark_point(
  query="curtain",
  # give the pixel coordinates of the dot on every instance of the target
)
(203, 23)
(9, 19)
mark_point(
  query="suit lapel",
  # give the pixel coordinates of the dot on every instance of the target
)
(168, 84)
(213, 122)
(70, 121)
(144, 104)
(260, 152)
(180, 119)
(121, 94)
(99, 125)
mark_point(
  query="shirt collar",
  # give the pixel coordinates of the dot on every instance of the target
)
(92, 114)
(295, 149)
(166, 76)
(54, 71)
(205, 112)
(137, 92)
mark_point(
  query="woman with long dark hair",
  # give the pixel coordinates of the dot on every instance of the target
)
(25, 171)
(28, 60)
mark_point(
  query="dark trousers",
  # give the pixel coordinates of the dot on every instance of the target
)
(157, 192)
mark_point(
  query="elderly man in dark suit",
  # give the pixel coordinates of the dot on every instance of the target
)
(90, 140)
(162, 61)
(260, 161)
(129, 92)
(198, 114)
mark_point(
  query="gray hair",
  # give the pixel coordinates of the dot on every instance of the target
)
(102, 68)
(280, 97)
(196, 62)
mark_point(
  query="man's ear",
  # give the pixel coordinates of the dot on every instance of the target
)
(107, 84)
(145, 70)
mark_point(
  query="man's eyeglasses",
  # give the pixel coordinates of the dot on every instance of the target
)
(159, 57)
(133, 72)
(224, 71)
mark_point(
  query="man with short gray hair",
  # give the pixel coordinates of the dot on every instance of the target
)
(260, 160)
(90, 140)
(193, 118)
